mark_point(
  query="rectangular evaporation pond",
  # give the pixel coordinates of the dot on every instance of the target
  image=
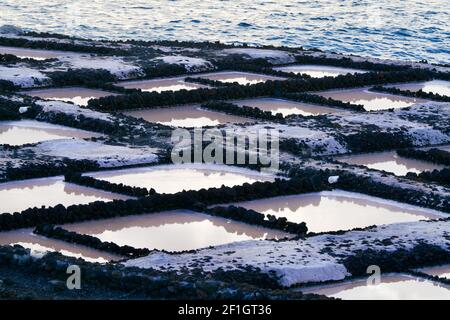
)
(16, 196)
(390, 161)
(186, 116)
(438, 271)
(36, 54)
(286, 107)
(77, 95)
(176, 230)
(372, 101)
(435, 86)
(339, 210)
(239, 77)
(318, 71)
(391, 287)
(31, 131)
(178, 177)
(160, 85)
(40, 245)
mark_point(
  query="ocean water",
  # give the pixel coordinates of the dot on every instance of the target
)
(407, 30)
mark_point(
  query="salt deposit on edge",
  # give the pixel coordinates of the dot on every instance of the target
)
(190, 64)
(302, 261)
(23, 76)
(105, 155)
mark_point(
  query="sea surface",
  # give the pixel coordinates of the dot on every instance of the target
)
(401, 29)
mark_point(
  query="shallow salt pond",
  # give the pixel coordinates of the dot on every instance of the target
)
(16, 196)
(338, 210)
(40, 245)
(439, 271)
(176, 178)
(31, 131)
(186, 116)
(173, 230)
(285, 107)
(390, 161)
(371, 101)
(318, 71)
(391, 287)
(239, 77)
(160, 85)
(445, 148)
(36, 54)
(435, 86)
(77, 95)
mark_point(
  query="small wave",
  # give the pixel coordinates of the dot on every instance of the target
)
(322, 19)
(141, 8)
(244, 24)
(403, 33)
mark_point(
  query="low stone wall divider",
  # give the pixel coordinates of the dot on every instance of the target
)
(346, 62)
(407, 93)
(319, 100)
(433, 155)
(41, 170)
(373, 140)
(400, 260)
(244, 111)
(255, 218)
(55, 232)
(435, 176)
(78, 178)
(429, 277)
(209, 82)
(354, 183)
(366, 140)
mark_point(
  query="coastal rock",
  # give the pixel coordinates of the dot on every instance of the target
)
(333, 179)
(23, 109)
